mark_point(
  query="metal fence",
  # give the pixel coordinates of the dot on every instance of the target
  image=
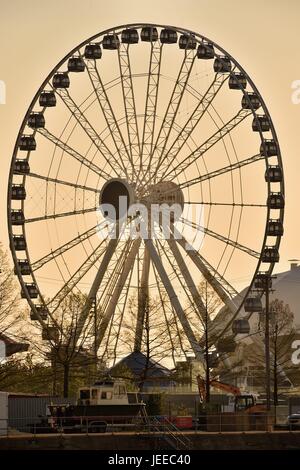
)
(203, 423)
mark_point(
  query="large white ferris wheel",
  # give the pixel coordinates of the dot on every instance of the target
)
(160, 115)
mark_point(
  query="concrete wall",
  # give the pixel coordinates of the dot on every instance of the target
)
(201, 441)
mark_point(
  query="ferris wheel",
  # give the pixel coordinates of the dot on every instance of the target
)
(159, 115)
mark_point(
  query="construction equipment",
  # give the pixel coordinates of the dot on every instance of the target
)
(241, 403)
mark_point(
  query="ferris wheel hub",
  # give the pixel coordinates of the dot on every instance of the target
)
(166, 192)
(116, 196)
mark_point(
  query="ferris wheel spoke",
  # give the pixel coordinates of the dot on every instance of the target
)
(62, 249)
(162, 294)
(121, 318)
(188, 279)
(78, 275)
(129, 262)
(61, 214)
(48, 179)
(221, 238)
(192, 122)
(151, 100)
(209, 143)
(226, 204)
(187, 285)
(117, 318)
(112, 245)
(213, 174)
(108, 113)
(143, 299)
(115, 164)
(129, 103)
(225, 291)
(165, 252)
(73, 153)
(174, 299)
(173, 107)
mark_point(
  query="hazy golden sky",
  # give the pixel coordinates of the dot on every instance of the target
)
(262, 36)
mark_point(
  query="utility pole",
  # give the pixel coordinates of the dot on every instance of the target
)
(207, 374)
(267, 343)
(95, 332)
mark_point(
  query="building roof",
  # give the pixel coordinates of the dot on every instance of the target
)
(12, 346)
(137, 363)
(285, 287)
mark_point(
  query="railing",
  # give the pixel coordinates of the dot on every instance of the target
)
(162, 427)
(170, 433)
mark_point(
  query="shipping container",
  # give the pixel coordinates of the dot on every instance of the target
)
(25, 412)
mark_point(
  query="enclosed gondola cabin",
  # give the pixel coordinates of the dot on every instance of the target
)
(149, 34)
(275, 201)
(213, 359)
(31, 290)
(61, 80)
(47, 99)
(270, 254)
(111, 42)
(168, 36)
(21, 167)
(19, 242)
(222, 64)
(205, 51)
(50, 333)
(36, 120)
(268, 148)
(130, 36)
(261, 123)
(17, 217)
(237, 81)
(24, 267)
(18, 192)
(76, 64)
(226, 345)
(252, 304)
(93, 51)
(262, 281)
(251, 101)
(41, 311)
(275, 228)
(241, 326)
(27, 143)
(187, 41)
(274, 174)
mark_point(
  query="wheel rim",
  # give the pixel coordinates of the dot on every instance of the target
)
(146, 152)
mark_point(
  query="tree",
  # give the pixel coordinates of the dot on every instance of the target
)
(121, 371)
(68, 357)
(205, 330)
(11, 318)
(12, 322)
(282, 334)
(155, 345)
